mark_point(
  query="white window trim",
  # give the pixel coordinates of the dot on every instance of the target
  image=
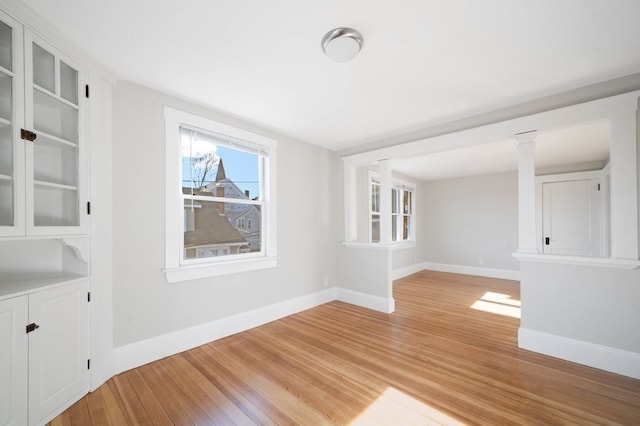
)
(395, 183)
(174, 209)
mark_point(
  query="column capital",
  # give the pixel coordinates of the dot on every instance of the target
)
(526, 137)
(385, 162)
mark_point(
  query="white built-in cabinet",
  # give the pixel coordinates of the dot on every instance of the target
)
(43, 187)
(44, 352)
(44, 241)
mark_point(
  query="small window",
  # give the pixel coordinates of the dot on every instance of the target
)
(401, 211)
(219, 178)
(375, 211)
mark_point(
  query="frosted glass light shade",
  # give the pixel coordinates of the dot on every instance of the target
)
(342, 44)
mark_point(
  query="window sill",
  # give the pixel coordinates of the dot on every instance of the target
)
(601, 262)
(380, 246)
(194, 272)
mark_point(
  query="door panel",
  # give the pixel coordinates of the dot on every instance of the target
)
(58, 349)
(13, 361)
(571, 218)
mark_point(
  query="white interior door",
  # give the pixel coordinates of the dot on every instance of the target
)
(58, 349)
(13, 361)
(571, 219)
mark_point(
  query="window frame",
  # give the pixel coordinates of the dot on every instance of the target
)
(373, 212)
(398, 216)
(175, 268)
(396, 185)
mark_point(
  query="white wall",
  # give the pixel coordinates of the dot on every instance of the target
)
(471, 221)
(588, 312)
(591, 304)
(144, 305)
(365, 270)
(583, 314)
(102, 359)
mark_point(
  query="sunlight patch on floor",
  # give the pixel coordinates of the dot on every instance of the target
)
(498, 303)
(394, 407)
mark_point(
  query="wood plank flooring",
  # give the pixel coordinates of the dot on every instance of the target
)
(436, 360)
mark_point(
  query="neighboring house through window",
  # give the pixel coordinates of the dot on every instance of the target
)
(220, 179)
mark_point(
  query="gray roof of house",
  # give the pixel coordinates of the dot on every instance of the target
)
(211, 227)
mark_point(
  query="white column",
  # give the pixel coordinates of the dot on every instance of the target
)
(385, 202)
(624, 182)
(527, 192)
(350, 218)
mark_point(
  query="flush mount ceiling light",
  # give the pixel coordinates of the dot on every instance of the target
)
(342, 44)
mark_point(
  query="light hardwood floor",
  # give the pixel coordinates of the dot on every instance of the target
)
(436, 360)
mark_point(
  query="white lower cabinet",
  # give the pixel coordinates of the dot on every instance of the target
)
(13, 360)
(44, 352)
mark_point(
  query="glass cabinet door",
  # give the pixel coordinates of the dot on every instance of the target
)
(11, 117)
(53, 113)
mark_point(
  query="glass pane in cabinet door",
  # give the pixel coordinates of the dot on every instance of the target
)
(54, 117)
(6, 41)
(55, 161)
(6, 153)
(6, 176)
(6, 83)
(68, 83)
(6, 202)
(55, 206)
(44, 69)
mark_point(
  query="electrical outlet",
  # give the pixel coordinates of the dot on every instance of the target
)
(325, 281)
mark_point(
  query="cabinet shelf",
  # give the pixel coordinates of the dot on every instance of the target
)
(56, 97)
(6, 71)
(4, 122)
(55, 185)
(53, 138)
(13, 285)
(5, 177)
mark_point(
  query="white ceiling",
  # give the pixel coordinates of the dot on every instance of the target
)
(424, 62)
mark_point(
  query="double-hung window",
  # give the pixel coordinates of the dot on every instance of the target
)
(401, 213)
(402, 208)
(220, 198)
(375, 211)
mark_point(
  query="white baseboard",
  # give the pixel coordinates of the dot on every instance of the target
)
(603, 357)
(102, 369)
(375, 303)
(504, 274)
(149, 350)
(396, 274)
